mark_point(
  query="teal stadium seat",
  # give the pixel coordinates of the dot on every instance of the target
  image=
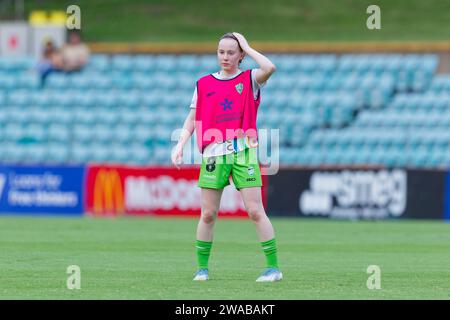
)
(34, 133)
(8, 81)
(152, 99)
(19, 98)
(58, 152)
(61, 99)
(18, 115)
(348, 109)
(149, 118)
(99, 63)
(80, 152)
(58, 81)
(100, 81)
(28, 80)
(142, 81)
(166, 63)
(144, 63)
(82, 133)
(121, 81)
(128, 99)
(100, 152)
(207, 64)
(13, 131)
(139, 154)
(106, 116)
(102, 133)
(58, 133)
(187, 63)
(16, 64)
(128, 116)
(14, 153)
(123, 63)
(82, 115)
(306, 64)
(122, 133)
(109, 101)
(35, 153)
(119, 153)
(61, 115)
(143, 134)
(81, 81)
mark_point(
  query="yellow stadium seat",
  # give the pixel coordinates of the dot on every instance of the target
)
(58, 18)
(38, 17)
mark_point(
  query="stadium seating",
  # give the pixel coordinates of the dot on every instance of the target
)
(354, 109)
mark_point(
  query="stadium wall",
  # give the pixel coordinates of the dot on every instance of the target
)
(275, 47)
(338, 193)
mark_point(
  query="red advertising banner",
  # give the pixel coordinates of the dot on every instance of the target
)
(117, 190)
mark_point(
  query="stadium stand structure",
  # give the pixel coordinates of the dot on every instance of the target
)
(352, 109)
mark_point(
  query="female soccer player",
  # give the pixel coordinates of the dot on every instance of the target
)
(223, 113)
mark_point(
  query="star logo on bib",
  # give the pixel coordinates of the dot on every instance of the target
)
(226, 104)
(239, 87)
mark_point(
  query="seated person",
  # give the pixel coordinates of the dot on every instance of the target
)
(51, 61)
(75, 54)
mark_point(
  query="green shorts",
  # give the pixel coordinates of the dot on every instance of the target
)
(243, 167)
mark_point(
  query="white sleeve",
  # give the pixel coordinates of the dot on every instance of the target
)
(255, 84)
(194, 99)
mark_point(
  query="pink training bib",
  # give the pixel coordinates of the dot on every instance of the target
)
(226, 109)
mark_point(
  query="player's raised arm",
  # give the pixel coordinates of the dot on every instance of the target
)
(266, 67)
(188, 129)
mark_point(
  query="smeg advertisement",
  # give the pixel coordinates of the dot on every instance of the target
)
(357, 193)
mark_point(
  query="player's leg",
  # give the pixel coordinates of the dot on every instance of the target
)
(253, 205)
(213, 178)
(209, 208)
(255, 209)
(247, 179)
(205, 229)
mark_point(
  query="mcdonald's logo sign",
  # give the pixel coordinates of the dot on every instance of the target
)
(108, 192)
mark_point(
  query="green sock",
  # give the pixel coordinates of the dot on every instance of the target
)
(203, 252)
(270, 250)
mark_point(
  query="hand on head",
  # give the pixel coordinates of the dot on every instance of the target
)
(242, 41)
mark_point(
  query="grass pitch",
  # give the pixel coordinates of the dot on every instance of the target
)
(154, 258)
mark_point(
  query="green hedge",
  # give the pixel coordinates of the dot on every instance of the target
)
(260, 20)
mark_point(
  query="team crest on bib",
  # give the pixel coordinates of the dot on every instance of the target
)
(239, 87)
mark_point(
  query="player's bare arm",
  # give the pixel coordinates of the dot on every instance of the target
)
(266, 67)
(188, 129)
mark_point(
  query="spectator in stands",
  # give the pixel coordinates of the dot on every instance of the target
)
(51, 61)
(75, 54)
